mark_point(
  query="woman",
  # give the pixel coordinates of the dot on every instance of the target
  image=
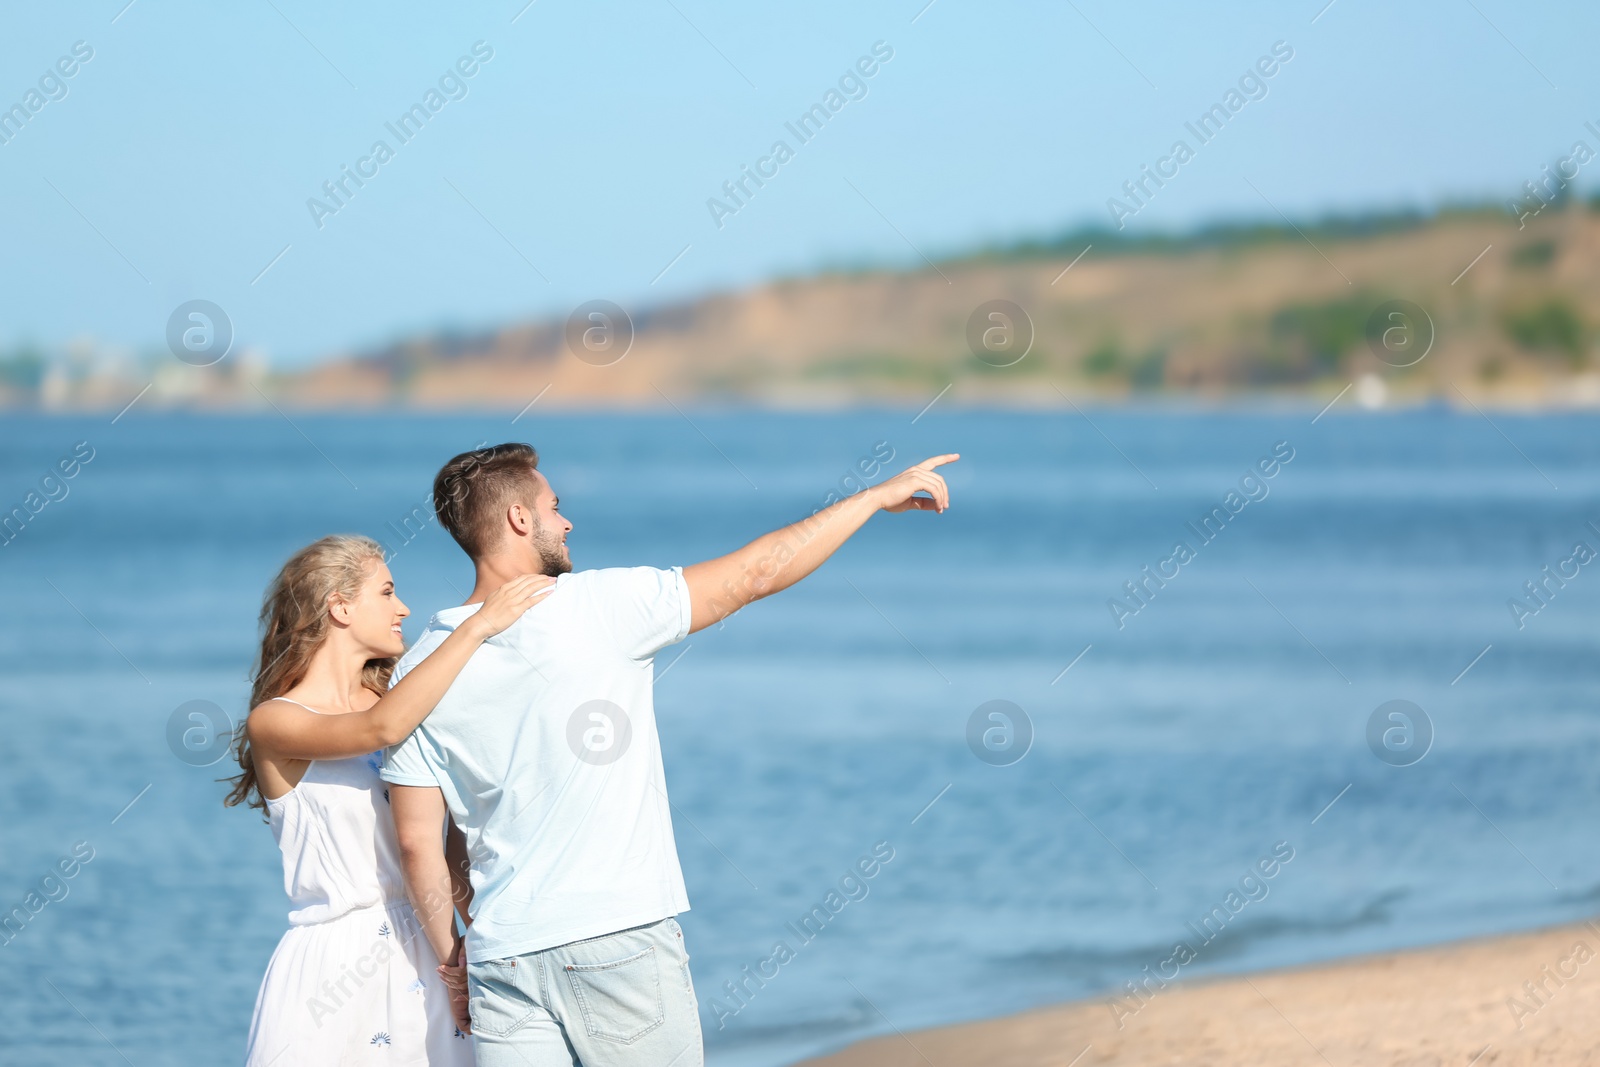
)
(352, 981)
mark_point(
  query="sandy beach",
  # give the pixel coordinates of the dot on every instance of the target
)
(1521, 999)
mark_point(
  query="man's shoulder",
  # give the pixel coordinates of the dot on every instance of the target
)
(609, 579)
(607, 591)
(432, 634)
(439, 627)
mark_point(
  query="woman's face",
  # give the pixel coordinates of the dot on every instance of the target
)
(373, 617)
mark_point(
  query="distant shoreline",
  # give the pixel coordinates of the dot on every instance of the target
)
(1151, 404)
(1466, 308)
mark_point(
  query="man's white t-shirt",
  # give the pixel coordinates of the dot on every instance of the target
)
(546, 751)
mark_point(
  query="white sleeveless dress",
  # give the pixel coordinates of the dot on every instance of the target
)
(353, 980)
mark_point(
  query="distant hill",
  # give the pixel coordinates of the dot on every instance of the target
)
(1223, 311)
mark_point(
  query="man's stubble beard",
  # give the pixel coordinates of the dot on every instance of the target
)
(551, 559)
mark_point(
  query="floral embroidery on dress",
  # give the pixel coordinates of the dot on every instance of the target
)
(383, 930)
(416, 986)
(386, 796)
(379, 1038)
(375, 761)
(459, 1034)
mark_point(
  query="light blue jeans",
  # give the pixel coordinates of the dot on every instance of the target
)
(619, 1000)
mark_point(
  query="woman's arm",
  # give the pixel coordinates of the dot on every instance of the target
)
(455, 854)
(279, 729)
(453, 968)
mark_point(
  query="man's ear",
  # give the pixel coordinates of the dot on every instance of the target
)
(520, 518)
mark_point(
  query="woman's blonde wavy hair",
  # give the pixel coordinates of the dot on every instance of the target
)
(294, 624)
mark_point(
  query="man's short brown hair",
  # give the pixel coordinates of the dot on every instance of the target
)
(473, 490)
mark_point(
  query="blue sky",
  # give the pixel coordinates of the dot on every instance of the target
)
(579, 163)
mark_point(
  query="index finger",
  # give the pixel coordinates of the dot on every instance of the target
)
(938, 461)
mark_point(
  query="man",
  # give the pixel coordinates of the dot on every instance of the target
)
(545, 753)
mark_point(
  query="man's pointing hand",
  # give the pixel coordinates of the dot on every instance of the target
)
(899, 492)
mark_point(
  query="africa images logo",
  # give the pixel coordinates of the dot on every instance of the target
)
(851, 85)
(452, 85)
(1252, 85)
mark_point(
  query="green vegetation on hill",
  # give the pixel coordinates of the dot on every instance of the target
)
(1553, 325)
(1513, 306)
(1231, 235)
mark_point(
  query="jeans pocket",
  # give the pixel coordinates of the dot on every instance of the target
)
(495, 999)
(620, 999)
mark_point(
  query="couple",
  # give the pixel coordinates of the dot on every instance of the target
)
(522, 790)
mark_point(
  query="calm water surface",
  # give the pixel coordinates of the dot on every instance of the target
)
(1219, 722)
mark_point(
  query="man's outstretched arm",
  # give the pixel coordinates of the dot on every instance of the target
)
(719, 587)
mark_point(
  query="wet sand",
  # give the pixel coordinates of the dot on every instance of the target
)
(1449, 1006)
